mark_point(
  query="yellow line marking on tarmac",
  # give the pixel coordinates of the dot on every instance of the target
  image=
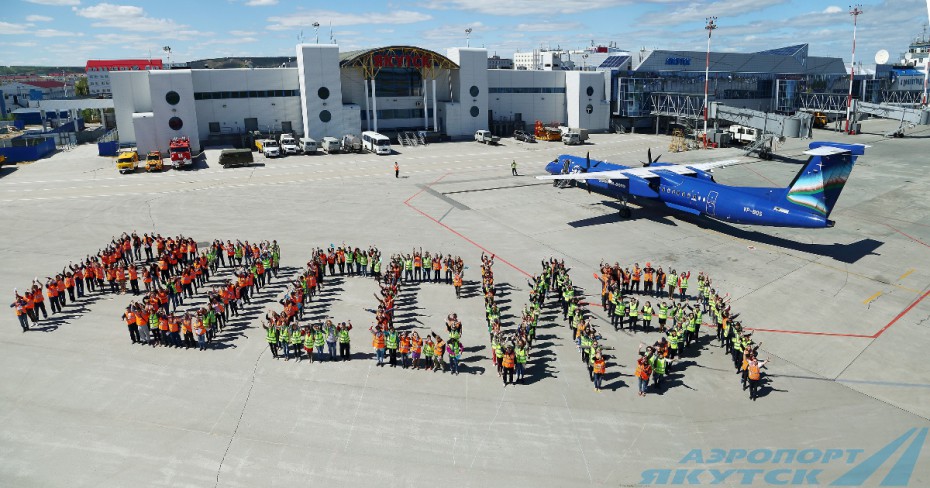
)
(871, 298)
(905, 275)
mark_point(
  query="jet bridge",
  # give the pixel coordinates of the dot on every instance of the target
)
(795, 126)
(906, 116)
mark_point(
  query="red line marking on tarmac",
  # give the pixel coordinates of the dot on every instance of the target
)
(762, 176)
(777, 331)
(450, 229)
(907, 235)
(902, 314)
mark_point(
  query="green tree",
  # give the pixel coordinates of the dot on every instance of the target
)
(80, 87)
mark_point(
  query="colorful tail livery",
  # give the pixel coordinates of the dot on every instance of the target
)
(806, 202)
(818, 185)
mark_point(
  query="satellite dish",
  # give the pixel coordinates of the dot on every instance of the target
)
(908, 56)
(881, 57)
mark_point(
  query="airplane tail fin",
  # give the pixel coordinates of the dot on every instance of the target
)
(818, 185)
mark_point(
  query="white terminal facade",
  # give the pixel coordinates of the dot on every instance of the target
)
(332, 93)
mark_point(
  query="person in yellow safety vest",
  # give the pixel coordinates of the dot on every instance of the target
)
(647, 316)
(522, 355)
(672, 282)
(619, 312)
(683, 284)
(663, 315)
(408, 268)
(673, 342)
(342, 334)
(296, 339)
(634, 313)
(271, 335)
(754, 372)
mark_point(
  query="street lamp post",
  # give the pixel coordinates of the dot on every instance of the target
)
(711, 25)
(316, 32)
(467, 36)
(855, 11)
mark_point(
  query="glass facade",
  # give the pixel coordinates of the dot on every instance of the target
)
(508, 89)
(399, 113)
(398, 82)
(245, 94)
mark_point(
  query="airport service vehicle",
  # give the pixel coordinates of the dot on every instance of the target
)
(486, 137)
(350, 143)
(127, 161)
(571, 139)
(743, 135)
(308, 145)
(288, 144)
(330, 145)
(180, 150)
(523, 136)
(154, 162)
(376, 143)
(230, 158)
(544, 133)
(268, 147)
(806, 202)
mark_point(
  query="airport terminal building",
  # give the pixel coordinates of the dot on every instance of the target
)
(332, 93)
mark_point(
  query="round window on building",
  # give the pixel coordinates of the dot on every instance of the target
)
(590, 91)
(589, 108)
(325, 116)
(175, 123)
(172, 98)
(473, 111)
(323, 93)
(474, 91)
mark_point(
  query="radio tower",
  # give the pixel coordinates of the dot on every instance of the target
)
(855, 11)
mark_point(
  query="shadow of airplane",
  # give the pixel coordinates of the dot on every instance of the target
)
(656, 212)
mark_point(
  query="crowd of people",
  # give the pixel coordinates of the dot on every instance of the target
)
(288, 338)
(625, 294)
(388, 343)
(510, 349)
(156, 319)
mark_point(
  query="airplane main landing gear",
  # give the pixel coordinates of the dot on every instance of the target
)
(625, 211)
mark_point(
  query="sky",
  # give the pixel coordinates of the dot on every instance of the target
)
(69, 32)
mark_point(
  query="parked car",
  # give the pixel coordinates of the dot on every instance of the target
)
(288, 144)
(235, 157)
(153, 162)
(127, 161)
(308, 145)
(486, 137)
(523, 136)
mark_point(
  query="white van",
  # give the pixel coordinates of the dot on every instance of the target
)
(330, 145)
(307, 145)
(376, 143)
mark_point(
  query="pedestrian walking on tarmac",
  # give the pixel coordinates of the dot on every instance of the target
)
(396, 170)
(513, 167)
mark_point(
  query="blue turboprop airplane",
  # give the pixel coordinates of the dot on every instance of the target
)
(806, 202)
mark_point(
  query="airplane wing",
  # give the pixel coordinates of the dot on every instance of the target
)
(620, 174)
(689, 169)
(643, 172)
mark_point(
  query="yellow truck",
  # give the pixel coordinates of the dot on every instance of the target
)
(153, 162)
(127, 161)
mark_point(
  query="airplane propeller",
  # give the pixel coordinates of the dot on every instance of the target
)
(649, 157)
(587, 162)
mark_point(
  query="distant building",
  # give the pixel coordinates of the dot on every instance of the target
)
(497, 62)
(539, 60)
(18, 94)
(98, 71)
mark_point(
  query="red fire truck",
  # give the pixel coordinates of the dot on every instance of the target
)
(180, 149)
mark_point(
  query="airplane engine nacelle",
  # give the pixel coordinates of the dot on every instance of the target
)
(641, 187)
(703, 175)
